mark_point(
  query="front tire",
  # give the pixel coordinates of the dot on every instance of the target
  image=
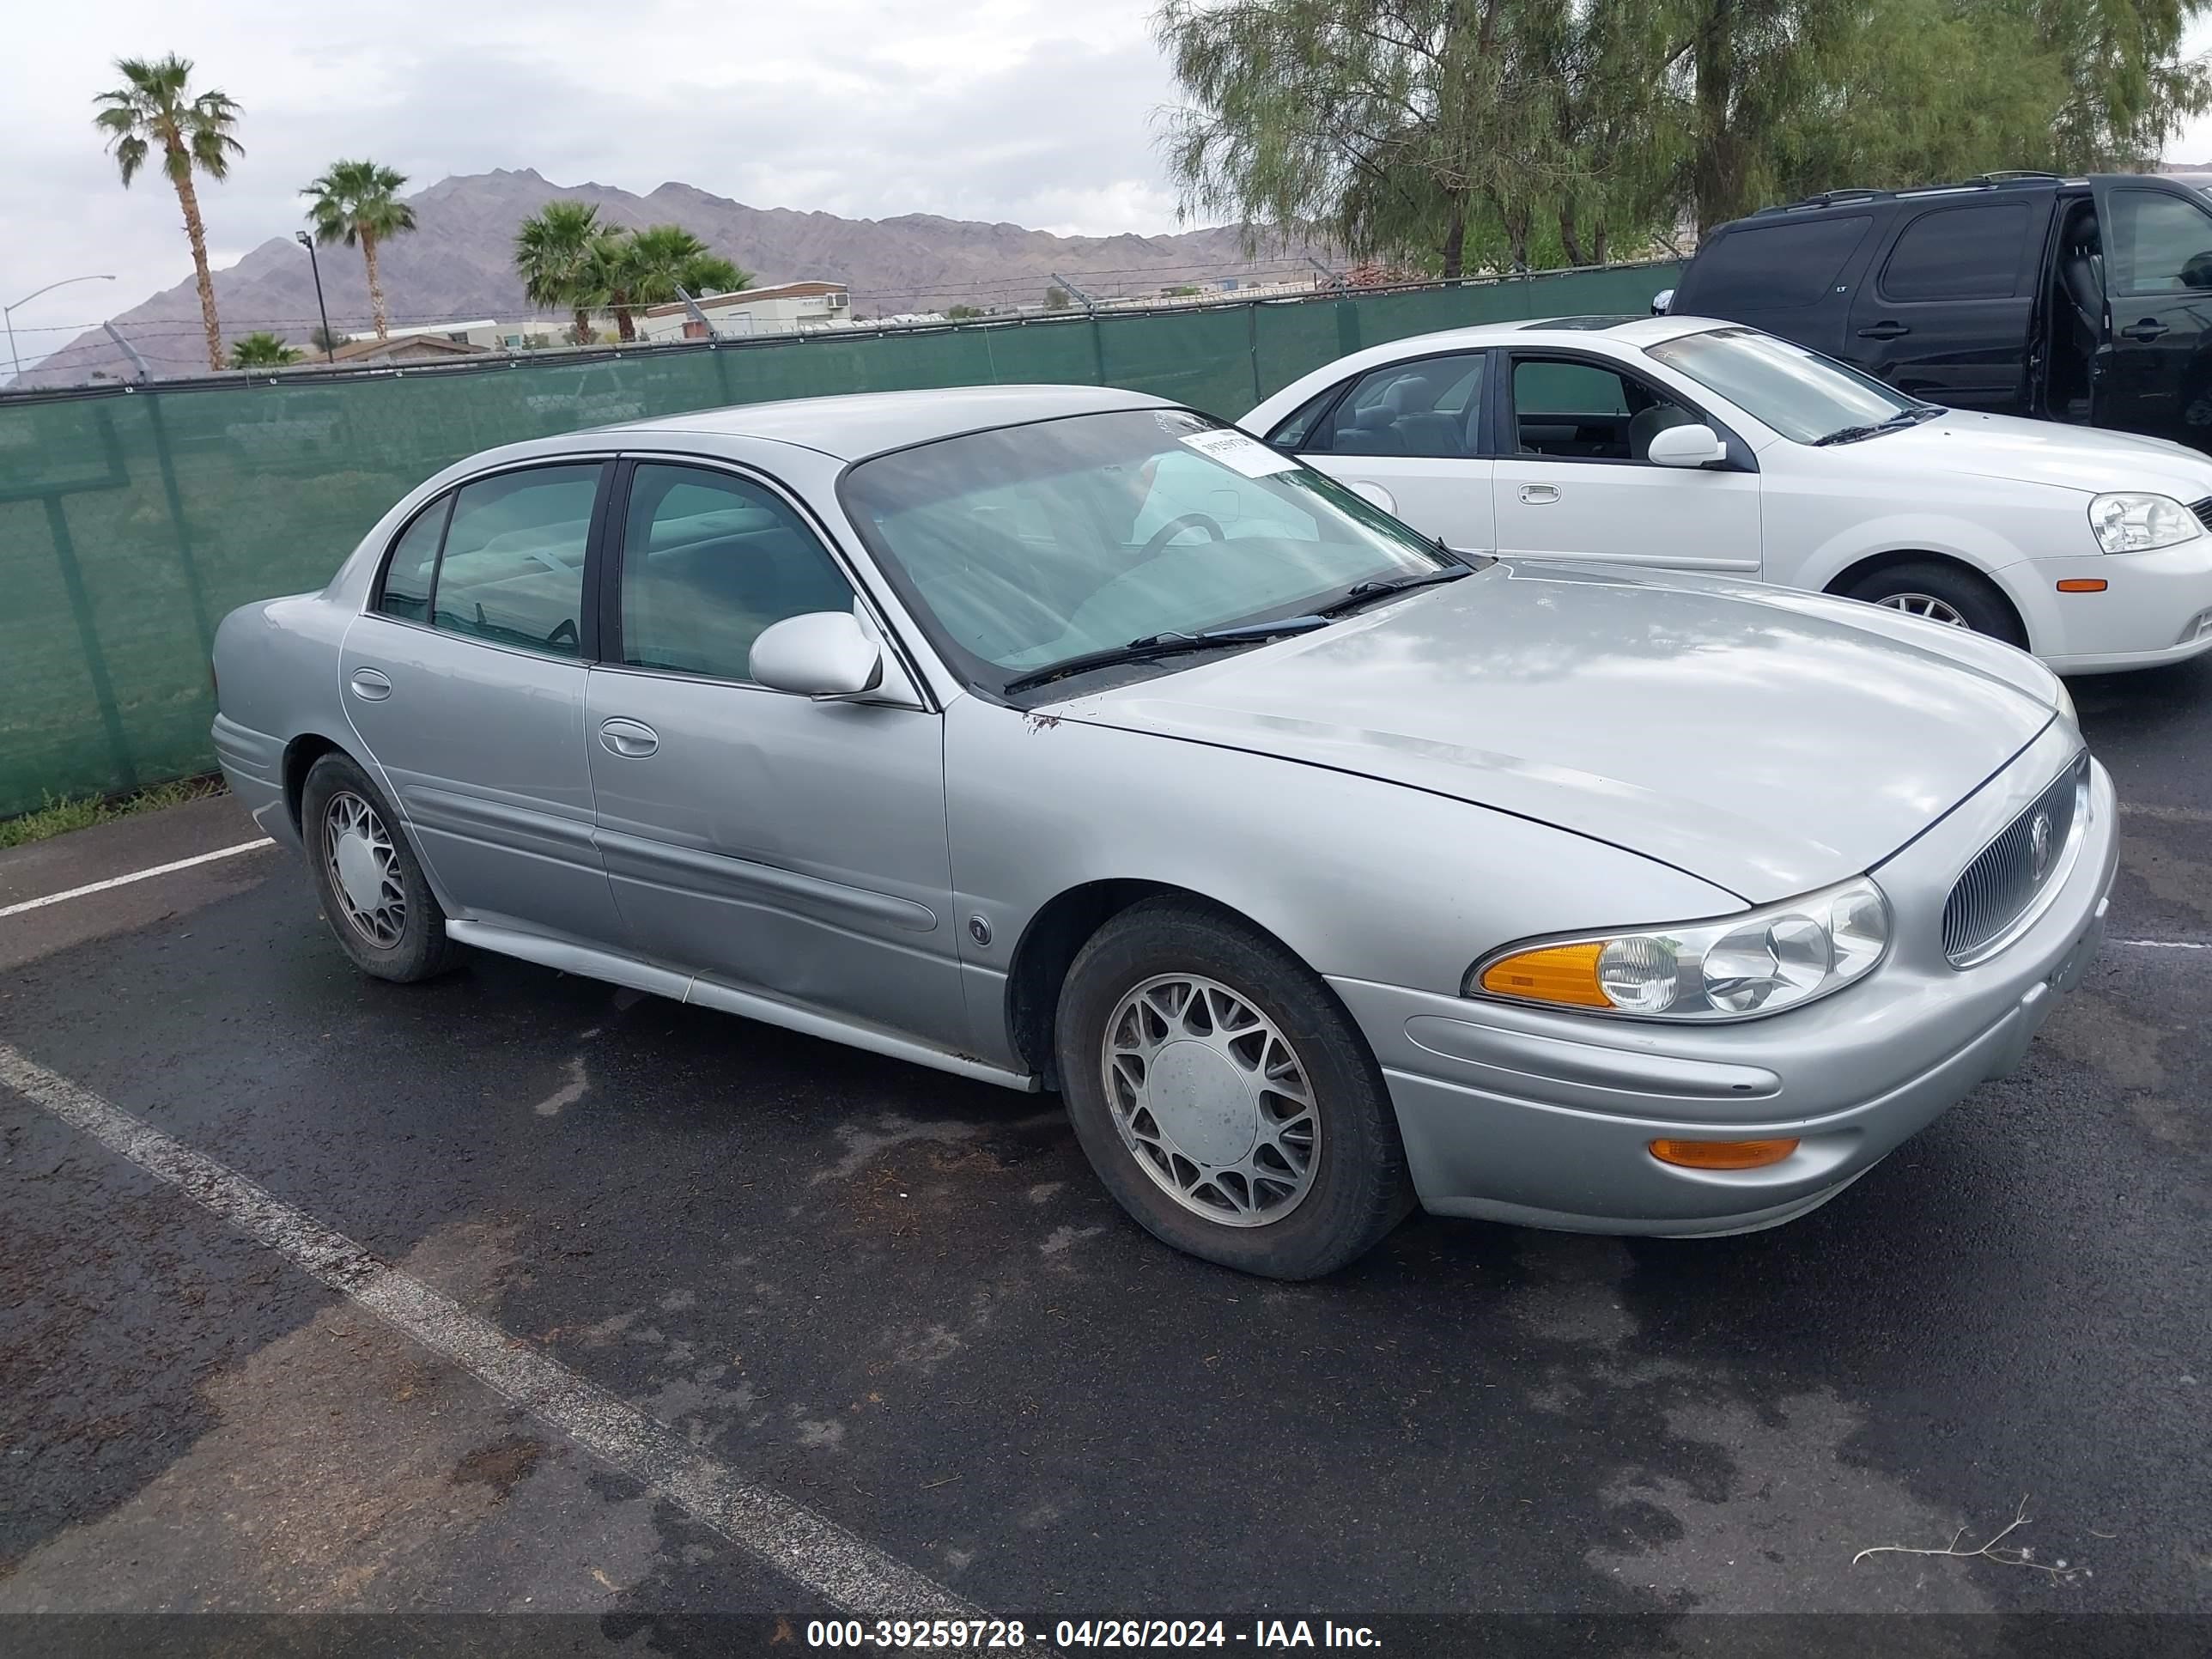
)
(372, 888)
(1223, 1095)
(1944, 593)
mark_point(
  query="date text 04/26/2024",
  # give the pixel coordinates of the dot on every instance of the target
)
(985, 1634)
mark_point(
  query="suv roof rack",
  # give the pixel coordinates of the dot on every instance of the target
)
(2013, 180)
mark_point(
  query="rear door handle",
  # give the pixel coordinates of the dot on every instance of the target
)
(370, 685)
(2149, 328)
(1539, 495)
(1884, 330)
(631, 739)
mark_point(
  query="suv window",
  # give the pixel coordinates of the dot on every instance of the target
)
(1426, 408)
(1959, 253)
(513, 570)
(1565, 410)
(2157, 244)
(709, 561)
(1772, 267)
(414, 564)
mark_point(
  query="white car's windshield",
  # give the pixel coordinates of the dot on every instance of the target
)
(1800, 393)
(1030, 547)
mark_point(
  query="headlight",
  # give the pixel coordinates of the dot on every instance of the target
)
(1758, 962)
(2136, 524)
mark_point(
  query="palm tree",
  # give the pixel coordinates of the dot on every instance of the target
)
(154, 108)
(354, 202)
(558, 255)
(648, 267)
(261, 350)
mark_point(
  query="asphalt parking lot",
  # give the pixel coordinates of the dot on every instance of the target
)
(839, 1289)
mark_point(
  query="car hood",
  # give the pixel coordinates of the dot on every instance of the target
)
(1766, 741)
(2040, 451)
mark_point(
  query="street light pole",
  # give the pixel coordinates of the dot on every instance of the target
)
(8, 313)
(330, 352)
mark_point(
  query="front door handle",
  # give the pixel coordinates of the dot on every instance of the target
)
(370, 685)
(1539, 495)
(1887, 328)
(631, 739)
(2145, 330)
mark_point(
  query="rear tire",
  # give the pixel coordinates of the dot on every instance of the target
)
(372, 888)
(1224, 1097)
(1944, 593)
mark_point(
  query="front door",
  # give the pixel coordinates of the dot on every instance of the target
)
(1408, 436)
(2157, 376)
(761, 839)
(1575, 481)
(466, 685)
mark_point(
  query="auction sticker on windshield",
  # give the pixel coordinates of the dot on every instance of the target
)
(1233, 449)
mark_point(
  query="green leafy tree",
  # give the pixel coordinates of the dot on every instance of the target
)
(647, 267)
(558, 254)
(358, 203)
(156, 110)
(261, 350)
(962, 314)
(1056, 298)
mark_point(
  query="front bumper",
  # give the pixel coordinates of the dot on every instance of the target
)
(2155, 608)
(1544, 1119)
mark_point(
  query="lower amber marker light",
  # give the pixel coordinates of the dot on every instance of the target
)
(2083, 585)
(1722, 1154)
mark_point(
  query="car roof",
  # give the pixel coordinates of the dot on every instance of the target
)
(854, 425)
(1635, 332)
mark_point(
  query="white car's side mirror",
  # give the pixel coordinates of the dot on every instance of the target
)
(823, 653)
(1661, 300)
(1683, 446)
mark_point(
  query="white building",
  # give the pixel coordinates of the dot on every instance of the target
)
(484, 332)
(785, 308)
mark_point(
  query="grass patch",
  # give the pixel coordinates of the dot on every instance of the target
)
(63, 813)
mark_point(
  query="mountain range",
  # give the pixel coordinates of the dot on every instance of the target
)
(458, 266)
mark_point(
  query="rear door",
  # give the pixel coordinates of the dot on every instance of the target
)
(464, 682)
(2157, 377)
(1573, 480)
(1408, 436)
(1947, 311)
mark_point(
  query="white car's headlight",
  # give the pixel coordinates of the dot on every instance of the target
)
(2131, 523)
(1759, 961)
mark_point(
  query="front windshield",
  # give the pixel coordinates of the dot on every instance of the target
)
(1800, 393)
(1027, 546)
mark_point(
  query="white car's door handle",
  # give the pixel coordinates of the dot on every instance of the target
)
(370, 685)
(632, 739)
(1537, 494)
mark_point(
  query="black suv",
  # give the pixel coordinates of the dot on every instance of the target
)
(2081, 300)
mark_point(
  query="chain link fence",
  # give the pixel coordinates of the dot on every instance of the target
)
(131, 520)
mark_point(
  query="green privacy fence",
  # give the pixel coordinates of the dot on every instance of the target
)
(131, 521)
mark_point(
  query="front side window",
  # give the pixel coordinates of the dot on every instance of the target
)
(2157, 244)
(1800, 393)
(1959, 253)
(513, 569)
(1427, 408)
(709, 561)
(1569, 410)
(1024, 547)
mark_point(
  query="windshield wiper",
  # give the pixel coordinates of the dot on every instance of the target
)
(1155, 645)
(1360, 593)
(1903, 418)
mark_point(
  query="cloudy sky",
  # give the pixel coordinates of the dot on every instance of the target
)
(1034, 111)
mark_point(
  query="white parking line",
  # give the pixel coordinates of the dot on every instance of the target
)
(814, 1552)
(2165, 944)
(138, 875)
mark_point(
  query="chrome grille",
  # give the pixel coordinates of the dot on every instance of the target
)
(2204, 511)
(2005, 879)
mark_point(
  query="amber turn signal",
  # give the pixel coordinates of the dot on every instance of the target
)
(1722, 1154)
(1557, 973)
(2083, 585)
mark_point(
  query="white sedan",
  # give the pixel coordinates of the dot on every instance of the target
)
(1688, 444)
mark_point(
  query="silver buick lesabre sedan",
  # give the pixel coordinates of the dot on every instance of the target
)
(1068, 739)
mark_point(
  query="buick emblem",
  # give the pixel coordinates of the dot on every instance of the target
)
(2038, 844)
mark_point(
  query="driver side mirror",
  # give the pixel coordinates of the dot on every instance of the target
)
(823, 653)
(1686, 446)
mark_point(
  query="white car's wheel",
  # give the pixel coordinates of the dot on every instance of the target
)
(373, 891)
(1943, 593)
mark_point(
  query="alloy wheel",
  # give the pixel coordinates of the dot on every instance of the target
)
(1212, 1100)
(1924, 605)
(364, 870)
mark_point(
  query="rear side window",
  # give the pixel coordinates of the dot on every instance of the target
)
(2157, 243)
(1772, 267)
(414, 564)
(1959, 253)
(512, 570)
